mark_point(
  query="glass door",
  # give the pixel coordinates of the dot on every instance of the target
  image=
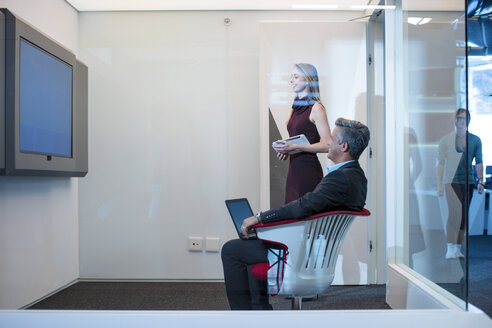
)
(432, 150)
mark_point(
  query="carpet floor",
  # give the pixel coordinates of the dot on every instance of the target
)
(195, 296)
(480, 272)
(212, 296)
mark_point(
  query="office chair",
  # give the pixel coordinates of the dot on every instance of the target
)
(302, 260)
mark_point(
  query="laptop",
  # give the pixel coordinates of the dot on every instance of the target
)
(239, 210)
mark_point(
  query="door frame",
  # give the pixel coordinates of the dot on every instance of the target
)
(376, 229)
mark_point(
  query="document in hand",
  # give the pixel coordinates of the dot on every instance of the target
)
(299, 140)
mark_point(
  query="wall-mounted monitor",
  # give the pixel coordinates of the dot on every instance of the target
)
(43, 104)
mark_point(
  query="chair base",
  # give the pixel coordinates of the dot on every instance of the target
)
(297, 303)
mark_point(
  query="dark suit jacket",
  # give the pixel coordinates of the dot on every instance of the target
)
(343, 189)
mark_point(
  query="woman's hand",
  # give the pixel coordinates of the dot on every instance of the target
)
(282, 157)
(284, 147)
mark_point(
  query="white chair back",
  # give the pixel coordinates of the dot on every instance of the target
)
(306, 264)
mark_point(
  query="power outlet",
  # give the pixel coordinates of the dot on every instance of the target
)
(195, 244)
(212, 244)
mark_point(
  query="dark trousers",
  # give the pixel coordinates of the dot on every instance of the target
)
(244, 292)
(455, 196)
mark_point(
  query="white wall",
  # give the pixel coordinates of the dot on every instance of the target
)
(55, 18)
(38, 216)
(173, 132)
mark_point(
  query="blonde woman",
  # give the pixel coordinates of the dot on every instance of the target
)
(308, 117)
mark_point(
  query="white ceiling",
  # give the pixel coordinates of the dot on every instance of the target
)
(357, 5)
(133, 5)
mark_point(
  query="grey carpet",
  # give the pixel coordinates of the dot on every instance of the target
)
(211, 296)
(480, 272)
(195, 296)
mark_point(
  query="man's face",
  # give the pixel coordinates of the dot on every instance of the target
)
(460, 120)
(334, 149)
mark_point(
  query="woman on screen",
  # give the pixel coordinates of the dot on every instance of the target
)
(308, 117)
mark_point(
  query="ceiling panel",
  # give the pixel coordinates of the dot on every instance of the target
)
(133, 5)
(357, 5)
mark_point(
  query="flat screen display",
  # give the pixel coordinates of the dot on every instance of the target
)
(45, 102)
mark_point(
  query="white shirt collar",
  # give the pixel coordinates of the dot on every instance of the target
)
(336, 166)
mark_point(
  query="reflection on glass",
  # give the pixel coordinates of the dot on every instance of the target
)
(456, 183)
(454, 172)
(480, 215)
(416, 235)
(435, 148)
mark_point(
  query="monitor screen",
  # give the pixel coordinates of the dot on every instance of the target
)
(45, 102)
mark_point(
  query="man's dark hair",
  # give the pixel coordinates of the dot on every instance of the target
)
(355, 134)
(461, 110)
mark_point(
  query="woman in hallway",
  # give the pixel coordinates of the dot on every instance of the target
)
(452, 170)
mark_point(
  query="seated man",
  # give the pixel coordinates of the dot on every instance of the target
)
(343, 188)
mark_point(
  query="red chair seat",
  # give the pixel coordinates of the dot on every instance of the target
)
(260, 271)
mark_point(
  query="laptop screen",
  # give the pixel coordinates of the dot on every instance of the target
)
(239, 210)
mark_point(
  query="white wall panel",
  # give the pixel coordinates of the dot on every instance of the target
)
(38, 215)
(158, 144)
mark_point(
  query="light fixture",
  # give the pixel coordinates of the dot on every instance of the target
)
(418, 20)
(363, 7)
(425, 20)
(473, 45)
(308, 6)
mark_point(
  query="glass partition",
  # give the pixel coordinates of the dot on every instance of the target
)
(479, 25)
(438, 154)
(183, 109)
(185, 105)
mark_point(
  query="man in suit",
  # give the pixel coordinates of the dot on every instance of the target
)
(343, 188)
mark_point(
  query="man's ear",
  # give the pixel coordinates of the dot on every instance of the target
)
(345, 147)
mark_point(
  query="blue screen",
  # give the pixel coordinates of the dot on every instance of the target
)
(45, 102)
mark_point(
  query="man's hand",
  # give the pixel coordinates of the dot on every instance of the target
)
(248, 223)
(480, 188)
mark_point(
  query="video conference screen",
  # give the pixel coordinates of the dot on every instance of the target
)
(45, 102)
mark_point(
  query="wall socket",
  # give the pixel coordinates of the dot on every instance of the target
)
(212, 244)
(195, 244)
